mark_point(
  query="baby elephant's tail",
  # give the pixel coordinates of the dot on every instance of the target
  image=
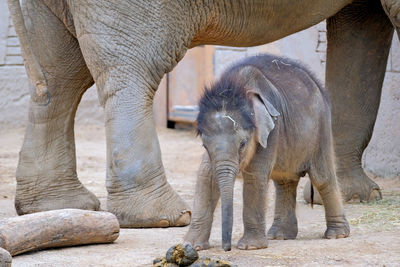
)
(312, 195)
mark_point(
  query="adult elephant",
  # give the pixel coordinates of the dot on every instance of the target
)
(125, 47)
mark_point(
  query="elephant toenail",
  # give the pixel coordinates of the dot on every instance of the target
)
(163, 223)
(184, 219)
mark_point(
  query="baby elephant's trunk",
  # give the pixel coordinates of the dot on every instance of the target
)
(226, 173)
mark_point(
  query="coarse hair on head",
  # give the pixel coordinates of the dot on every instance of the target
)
(227, 94)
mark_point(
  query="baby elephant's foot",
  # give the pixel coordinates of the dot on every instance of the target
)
(197, 239)
(337, 230)
(252, 241)
(200, 245)
(283, 231)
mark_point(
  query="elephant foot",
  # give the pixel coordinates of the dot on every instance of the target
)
(252, 241)
(355, 186)
(151, 207)
(197, 237)
(337, 229)
(283, 230)
(42, 197)
(197, 243)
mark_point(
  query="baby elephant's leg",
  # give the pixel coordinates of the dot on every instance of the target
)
(323, 177)
(205, 200)
(285, 221)
(254, 207)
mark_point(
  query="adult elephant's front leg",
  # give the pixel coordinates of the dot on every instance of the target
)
(359, 39)
(139, 193)
(127, 48)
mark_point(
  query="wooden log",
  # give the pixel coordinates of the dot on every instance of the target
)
(57, 228)
(5, 258)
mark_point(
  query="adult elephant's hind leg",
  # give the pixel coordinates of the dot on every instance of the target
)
(359, 39)
(46, 174)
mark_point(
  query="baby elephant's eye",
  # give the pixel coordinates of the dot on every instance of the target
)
(242, 144)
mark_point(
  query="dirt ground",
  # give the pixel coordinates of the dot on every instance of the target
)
(375, 227)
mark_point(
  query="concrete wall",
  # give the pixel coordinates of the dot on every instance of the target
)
(382, 156)
(308, 46)
(14, 85)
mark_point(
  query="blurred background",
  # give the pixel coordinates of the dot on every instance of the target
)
(176, 98)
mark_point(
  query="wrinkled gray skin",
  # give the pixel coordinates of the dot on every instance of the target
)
(292, 136)
(125, 47)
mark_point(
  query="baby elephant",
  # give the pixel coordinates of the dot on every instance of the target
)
(267, 117)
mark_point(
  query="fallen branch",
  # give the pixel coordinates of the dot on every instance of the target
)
(57, 228)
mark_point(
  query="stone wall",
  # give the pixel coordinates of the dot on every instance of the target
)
(381, 158)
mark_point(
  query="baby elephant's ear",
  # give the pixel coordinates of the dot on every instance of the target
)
(264, 111)
(255, 80)
(263, 119)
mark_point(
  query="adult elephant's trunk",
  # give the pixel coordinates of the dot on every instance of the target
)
(226, 172)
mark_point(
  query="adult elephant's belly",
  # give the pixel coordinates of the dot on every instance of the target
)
(250, 23)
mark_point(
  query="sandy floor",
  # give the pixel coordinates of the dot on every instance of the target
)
(375, 227)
